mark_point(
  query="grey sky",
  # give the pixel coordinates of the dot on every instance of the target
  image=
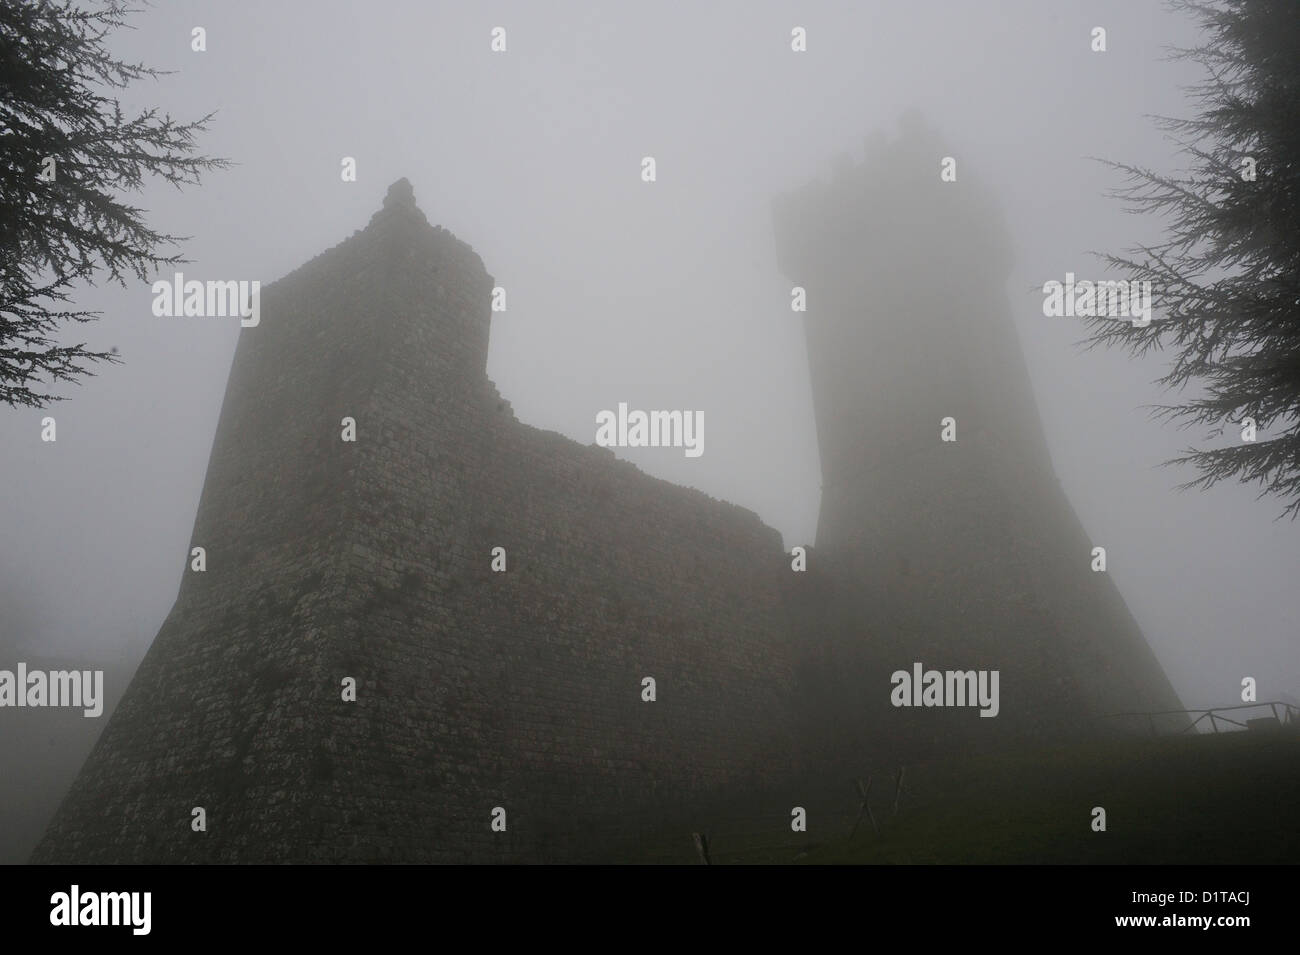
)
(663, 296)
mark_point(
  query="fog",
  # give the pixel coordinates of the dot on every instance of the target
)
(665, 295)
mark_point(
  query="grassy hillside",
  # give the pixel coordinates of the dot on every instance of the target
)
(1227, 798)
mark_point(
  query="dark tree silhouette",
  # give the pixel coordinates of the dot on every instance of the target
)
(1226, 277)
(67, 152)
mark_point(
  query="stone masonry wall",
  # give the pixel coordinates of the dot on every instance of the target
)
(960, 555)
(371, 560)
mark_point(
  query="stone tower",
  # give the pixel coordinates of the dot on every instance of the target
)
(958, 555)
(520, 689)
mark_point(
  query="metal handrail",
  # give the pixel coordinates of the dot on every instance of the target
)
(1291, 714)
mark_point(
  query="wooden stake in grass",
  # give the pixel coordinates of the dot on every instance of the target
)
(702, 847)
(898, 787)
(864, 792)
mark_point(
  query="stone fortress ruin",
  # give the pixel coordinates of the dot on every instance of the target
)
(477, 689)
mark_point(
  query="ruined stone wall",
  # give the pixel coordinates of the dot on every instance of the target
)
(372, 560)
